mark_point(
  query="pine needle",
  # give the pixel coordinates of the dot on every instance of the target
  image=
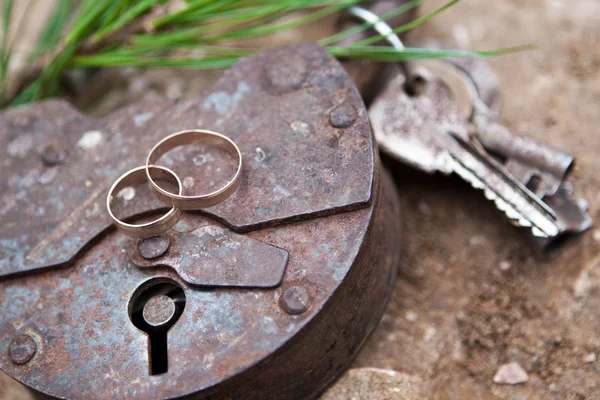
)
(150, 33)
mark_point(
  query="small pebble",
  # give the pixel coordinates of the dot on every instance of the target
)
(590, 358)
(476, 240)
(411, 316)
(582, 285)
(430, 333)
(505, 265)
(424, 208)
(597, 235)
(511, 374)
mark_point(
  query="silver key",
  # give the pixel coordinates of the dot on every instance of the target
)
(448, 128)
(449, 124)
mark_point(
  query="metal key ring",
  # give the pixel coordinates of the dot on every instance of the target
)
(458, 81)
(190, 137)
(378, 24)
(149, 229)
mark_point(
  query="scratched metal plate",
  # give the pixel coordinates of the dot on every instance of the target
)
(276, 105)
(88, 347)
(311, 191)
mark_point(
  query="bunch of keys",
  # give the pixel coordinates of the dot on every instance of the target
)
(433, 117)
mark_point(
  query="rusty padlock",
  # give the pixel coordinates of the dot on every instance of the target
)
(267, 295)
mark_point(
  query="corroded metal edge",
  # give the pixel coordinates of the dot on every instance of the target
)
(342, 325)
(318, 91)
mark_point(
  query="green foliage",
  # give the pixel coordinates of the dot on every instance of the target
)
(151, 33)
(7, 7)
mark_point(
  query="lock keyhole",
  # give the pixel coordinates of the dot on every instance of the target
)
(155, 308)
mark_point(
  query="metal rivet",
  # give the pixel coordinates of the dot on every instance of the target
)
(53, 154)
(153, 247)
(295, 300)
(159, 310)
(342, 116)
(286, 72)
(22, 349)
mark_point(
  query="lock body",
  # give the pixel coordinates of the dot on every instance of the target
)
(268, 295)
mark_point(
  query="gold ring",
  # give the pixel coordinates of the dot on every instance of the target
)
(190, 137)
(150, 229)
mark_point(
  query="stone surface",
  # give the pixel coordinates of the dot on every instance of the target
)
(376, 384)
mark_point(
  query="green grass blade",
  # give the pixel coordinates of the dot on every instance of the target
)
(114, 12)
(204, 6)
(196, 63)
(200, 34)
(5, 53)
(86, 19)
(140, 7)
(272, 29)
(389, 54)
(53, 33)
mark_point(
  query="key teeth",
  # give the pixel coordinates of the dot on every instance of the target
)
(511, 213)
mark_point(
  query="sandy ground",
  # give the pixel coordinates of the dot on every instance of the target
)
(472, 295)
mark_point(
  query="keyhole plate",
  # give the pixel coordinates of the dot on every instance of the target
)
(154, 308)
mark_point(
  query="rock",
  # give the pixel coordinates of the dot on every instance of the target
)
(477, 240)
(582, 285)
(424, 209)
(376, 384)
(411, 316)
(505, 265)
(511, 374)
(590, 358)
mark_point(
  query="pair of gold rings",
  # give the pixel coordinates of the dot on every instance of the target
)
(177, 201)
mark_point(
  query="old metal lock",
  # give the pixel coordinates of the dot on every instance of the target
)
(266, 296)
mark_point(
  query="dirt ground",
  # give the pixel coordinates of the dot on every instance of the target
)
(472, 295)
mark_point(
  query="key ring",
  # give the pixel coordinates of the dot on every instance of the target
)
(460, 83)
(190, 137)
(149, 229)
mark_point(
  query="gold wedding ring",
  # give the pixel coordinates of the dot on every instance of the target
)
(135, 176)
(192, 137)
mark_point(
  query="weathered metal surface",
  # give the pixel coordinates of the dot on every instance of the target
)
(275, 105)
(415, 129)
(295, 300)
(212, 255)
(342, 324)
(239, 342)
(159, 310)
(153, 247)
(476, 90)
(81, 316)
(436, 132)
(543, 169)
(21, 349)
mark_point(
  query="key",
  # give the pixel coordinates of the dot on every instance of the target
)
(441, 116)
(448, 128)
